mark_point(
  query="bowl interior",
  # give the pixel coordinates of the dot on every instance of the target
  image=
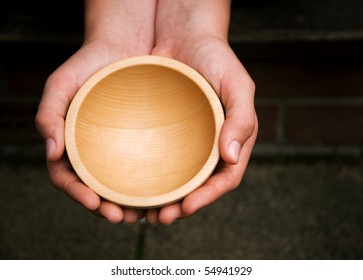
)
(144, 130)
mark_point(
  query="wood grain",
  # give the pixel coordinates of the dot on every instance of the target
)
(143, 132)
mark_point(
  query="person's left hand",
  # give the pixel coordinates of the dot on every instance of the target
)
(216, 61)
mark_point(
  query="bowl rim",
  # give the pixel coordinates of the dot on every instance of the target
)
(141, 201)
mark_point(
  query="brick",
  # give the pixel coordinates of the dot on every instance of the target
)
(283, 20)
(324, 124)
(268, 121)
(17, 123)
(299, 79)
(26, 81)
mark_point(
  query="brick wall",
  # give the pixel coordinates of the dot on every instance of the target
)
(309, 102)
(308, 73)
(309, 97)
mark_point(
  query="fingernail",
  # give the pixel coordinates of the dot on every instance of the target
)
(234, 150)
(170, 223)
(49, 147)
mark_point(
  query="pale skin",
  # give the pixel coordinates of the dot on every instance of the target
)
(191, 31)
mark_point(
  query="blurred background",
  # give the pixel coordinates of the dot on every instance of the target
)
(302, 194)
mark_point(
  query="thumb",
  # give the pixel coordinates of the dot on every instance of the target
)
(50, 117)
(237, 96)
(59, 91)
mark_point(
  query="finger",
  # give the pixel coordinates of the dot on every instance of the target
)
(52, 111)
(226, 178)
(112, 212)
(152, 216)
(237, 96)
(58, 92)
(236, 90)
(217, 185)
(63, 177)
(170, 213)
(131, 216)
(50, 124)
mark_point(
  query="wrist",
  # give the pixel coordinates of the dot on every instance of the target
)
(121, 23)
(191, 19)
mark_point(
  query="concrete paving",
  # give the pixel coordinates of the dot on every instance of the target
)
(282, 210)
(39, 222)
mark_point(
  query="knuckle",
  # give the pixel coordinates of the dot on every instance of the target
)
(249, 84)
(252, 85)
(235, 182)
(54, 79)
(248, 125)
(40, 120)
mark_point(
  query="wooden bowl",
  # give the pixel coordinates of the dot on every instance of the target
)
(143, 132)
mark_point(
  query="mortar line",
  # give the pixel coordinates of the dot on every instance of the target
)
(140, 243)
(328, 101)
(281, 123)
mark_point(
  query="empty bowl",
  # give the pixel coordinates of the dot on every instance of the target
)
(143, 132)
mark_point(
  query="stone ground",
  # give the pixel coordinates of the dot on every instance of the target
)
(305, 209)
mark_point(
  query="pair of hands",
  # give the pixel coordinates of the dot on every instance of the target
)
(178, 35)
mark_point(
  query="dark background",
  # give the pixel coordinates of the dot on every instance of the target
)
(301, 197)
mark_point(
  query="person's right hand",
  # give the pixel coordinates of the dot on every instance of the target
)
(114, 30)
